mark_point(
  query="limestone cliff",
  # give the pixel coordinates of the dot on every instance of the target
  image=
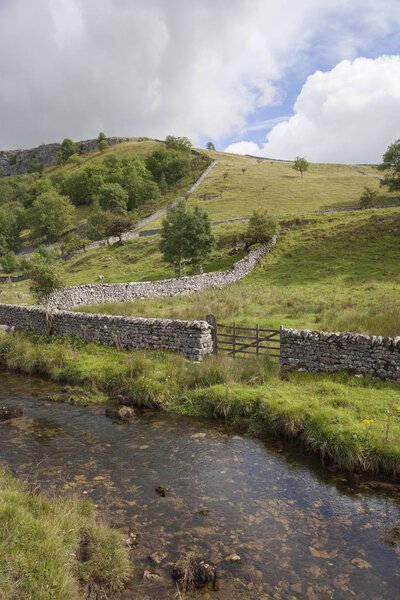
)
(16, 162)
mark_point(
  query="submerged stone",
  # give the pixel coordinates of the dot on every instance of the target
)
(158, 557)
(10, 412)
(161, 491)
(122, 413)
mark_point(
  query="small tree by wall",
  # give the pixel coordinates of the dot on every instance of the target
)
(186, 237)
(261, 228)
(45, 275)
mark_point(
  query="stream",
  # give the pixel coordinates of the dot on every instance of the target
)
(301, 532)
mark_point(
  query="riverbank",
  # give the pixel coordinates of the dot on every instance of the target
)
(351, 422)
(55, 548)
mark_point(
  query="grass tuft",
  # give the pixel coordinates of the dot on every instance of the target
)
(39, 542)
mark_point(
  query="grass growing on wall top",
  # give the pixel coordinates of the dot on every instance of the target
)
(354, 422)
(331, 272)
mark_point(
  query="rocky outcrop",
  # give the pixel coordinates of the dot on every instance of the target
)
(16, 162)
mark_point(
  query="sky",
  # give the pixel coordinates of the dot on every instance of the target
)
(313, 78)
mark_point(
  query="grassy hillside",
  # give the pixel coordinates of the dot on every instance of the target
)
(332, 272)
(276, 187)
(238, 185)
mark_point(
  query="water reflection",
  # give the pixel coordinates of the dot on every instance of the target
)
(300, 532)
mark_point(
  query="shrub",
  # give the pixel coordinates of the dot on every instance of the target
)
(9, 262)
(367, 197)
(261, 229)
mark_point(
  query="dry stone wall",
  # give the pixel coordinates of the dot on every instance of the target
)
(353, 352)
(192, 339)
(124, 292)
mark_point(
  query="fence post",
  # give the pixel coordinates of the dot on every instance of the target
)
(234, 339)
(258, 340)
(211, 320)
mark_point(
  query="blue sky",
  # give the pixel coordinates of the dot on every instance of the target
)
(220, 70)
(356, 39)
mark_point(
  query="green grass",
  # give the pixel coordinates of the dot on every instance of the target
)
(15, 293)
(39, 542)
(326, 413)
(274, 186)
(333, 272)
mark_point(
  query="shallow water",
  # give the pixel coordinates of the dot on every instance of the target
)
(300, 532)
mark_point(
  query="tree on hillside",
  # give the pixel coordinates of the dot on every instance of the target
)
(73, 242)
(391, 166)
(8, 190)
(367, 197)
(102, 145)
(210, 146)
(36, 189)
(96, 224)
(174, 164)
(49, 216)
(186, 237)
(9, 262)
(11, 224)
(67, 148)
(117, 224)
(82, 186)
(202, 239)
(301, 165)
(36, 165)
(178, 143)
(113, 197)
(261, 228)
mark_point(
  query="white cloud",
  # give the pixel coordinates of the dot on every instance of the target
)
(244, 148)
(153, 67)
(349, 114)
